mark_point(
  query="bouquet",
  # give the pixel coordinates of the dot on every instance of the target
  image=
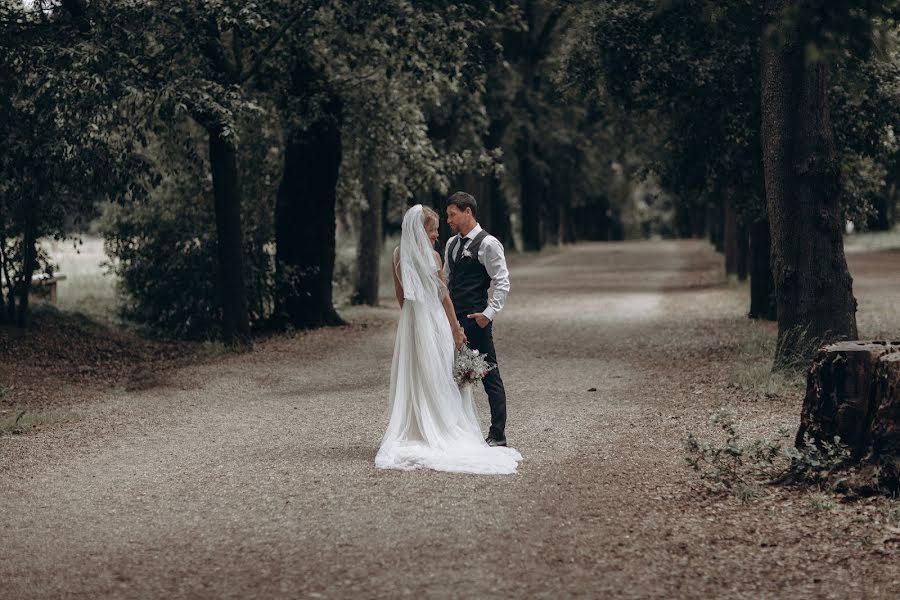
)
(471, 366)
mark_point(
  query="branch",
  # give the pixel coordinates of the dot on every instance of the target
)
(547, 30)
(261, 57)
(355, 78)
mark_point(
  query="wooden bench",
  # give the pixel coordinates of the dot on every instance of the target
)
(43, 286)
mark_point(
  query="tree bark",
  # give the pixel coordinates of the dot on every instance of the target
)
(743, 252)
(882, 220)
(531, 196)
(839, 390)
(371, 239)
(813, 286)
(227, 197)
(762, 285)
(305, 227)
(500, 227)
(29, 262)
(730, 236)
(714, 227)
(885, 428)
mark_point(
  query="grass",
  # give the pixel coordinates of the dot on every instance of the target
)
(873, 240)
(752, 368)
(88, 289)
(819, 502)
(20, 421)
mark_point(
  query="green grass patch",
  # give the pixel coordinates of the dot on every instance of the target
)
(752, 368)
(873, 241)
(21, 421)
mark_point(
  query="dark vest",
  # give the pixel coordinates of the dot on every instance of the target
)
(469, 280)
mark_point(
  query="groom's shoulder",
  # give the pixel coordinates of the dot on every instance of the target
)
(492, 240)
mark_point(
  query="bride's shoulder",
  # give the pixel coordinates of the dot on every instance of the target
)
(437, 258)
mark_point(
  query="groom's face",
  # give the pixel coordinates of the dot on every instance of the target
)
(456, 218)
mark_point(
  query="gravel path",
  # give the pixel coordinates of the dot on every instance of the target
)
(253, 476)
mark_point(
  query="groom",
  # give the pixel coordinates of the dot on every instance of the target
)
(472, 260)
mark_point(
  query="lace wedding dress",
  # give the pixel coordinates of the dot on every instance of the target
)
(432, 424)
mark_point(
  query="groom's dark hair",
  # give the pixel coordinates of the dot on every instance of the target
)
(462, 201)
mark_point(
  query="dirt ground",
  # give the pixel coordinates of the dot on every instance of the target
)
(252, 476)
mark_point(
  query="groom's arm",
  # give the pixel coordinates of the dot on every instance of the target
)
(494, 261)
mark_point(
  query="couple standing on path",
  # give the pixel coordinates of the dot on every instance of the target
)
(444, 304)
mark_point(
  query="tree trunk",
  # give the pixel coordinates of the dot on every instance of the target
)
(743, 252)
(730, 236)
(853, 393)
(882, 220)
(29, 262)
(813, 286)
(714, 227)
(6, 309)
(500, 227)
(885, 428)
(227, 197)
(839, 390)
(305, 227)
(371, 239)
(762, 286)
(531, 196)
(565, 235)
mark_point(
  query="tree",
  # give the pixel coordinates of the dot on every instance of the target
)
(684, 75)
(66, 143)
(363, 78)
(813, 285)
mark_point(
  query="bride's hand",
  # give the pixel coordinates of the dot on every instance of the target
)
(459, 337)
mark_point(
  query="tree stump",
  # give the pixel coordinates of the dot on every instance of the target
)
(884, 444)
(848, 393)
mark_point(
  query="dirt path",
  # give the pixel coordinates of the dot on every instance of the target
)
(253, 477)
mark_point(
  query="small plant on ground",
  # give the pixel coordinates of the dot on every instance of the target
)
(816, 462)
(741, 468)
(22, 421)
(733, 465)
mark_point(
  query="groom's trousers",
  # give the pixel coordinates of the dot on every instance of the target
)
(483, 341)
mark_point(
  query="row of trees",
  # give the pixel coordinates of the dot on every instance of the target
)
(230, 136)
(777, 120)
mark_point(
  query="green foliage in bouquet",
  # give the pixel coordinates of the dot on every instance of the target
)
(471, 366)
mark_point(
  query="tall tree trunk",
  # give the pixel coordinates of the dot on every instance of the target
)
(762, 286)
(565, 235)
(29, 262)
(371, 239)
(882, 220)
(305, 227)
(813, 287)
(5, 283)
(714, 226)
(531, 196)
(730, 240)
(743, 252)
(500, 227)
(227, 196)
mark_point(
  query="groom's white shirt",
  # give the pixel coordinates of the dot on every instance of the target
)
(491, 255)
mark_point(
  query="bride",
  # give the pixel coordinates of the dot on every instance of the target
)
(432, 424)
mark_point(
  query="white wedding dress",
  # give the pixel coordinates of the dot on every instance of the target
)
(433, 425)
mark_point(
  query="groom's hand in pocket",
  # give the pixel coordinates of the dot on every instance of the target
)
(482, 320)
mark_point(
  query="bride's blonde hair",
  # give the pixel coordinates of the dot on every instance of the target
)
(428, 214)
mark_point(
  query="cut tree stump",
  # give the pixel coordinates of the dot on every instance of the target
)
(884, 444)
(853, 391)
(845, 396)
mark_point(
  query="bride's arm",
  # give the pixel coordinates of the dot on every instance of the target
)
(398, 287)
(459, 336)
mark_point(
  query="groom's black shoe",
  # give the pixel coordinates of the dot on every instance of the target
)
(495, 442)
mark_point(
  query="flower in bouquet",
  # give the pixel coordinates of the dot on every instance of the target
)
(470, 367)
